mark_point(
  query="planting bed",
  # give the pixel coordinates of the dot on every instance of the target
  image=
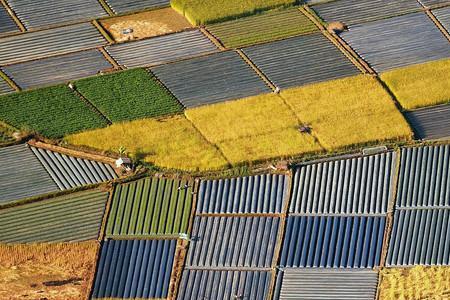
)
(170, 143)
(122, 6)
(128, 95)
(443, 15)
(354, 110)
(145, 24)
(254, 128)
(264, 27)
(4, 87)
(431, 122)
(47, 271)
(7, 24)
(420, 85)
(53, 111)
(203, 12)
(301, 60)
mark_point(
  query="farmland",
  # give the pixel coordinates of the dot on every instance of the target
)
(53, 112)
(128, 95)
(415, 283)
(254, 128)
(145, 24)
(264, 27)
(47, 271)
(354, 110)
(6, 133)
(200, 12)
(169, 143)
(420, 85)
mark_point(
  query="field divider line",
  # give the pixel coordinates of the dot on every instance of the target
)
(214, 145)
(351, 54)
(438, 24)
(212, 38)
(13, 16)
(255, 68)
(106, 7)
(109, 58)
(103, 31)
(92, 106)
(9, 81)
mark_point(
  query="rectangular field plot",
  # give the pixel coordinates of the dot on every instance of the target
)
(210, 79)
(255, 128)
(70, 172)
(398, 42)
(430, 3)
(309, 284)
(420, 85)
(52, 112)
(414, 283)
(420, 236)
(333, 242)
(58, 69)
(300, 60)
(243, 195)
(202, 12)
(75, 217)
(123, 6)
(35, 14)
(150, 207)
(431, 123)
(7, 24)
(22, 174)
(423, 180)
(352, 12)
(134, 269)
(128, 95)
(361, 185)
(264, 27)
(224, 284)
(233, 242)
(349, 111)
(36, 268)
(49, 42)
(170, 143)
(145, 24)
(163, 49)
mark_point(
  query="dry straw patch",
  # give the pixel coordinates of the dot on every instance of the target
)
(344, 112)
(420, 85)
(254, 128)
(415, 283)
(145, 24)
(167, 142)
(47, 271)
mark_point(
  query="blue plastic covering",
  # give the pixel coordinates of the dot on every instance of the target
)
(336, 242)
(134, 269)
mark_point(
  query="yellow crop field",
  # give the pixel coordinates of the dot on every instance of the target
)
(420, 85)
(145, 24)
(168, 142)
(47, 271)
(349, 111)
(431, 283)
(254, 128)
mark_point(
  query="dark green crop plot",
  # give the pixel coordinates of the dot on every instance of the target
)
(128, 95)
(52, 112)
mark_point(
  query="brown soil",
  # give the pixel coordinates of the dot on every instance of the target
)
(47, 271)
(145, 24)
(431, 283)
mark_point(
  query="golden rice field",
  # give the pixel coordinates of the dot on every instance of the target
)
(252, 129)
(350, 111)
(145, 24)
(47, 271)
(420, 85)
(203, 12)
(416, 283)
(170, 142)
